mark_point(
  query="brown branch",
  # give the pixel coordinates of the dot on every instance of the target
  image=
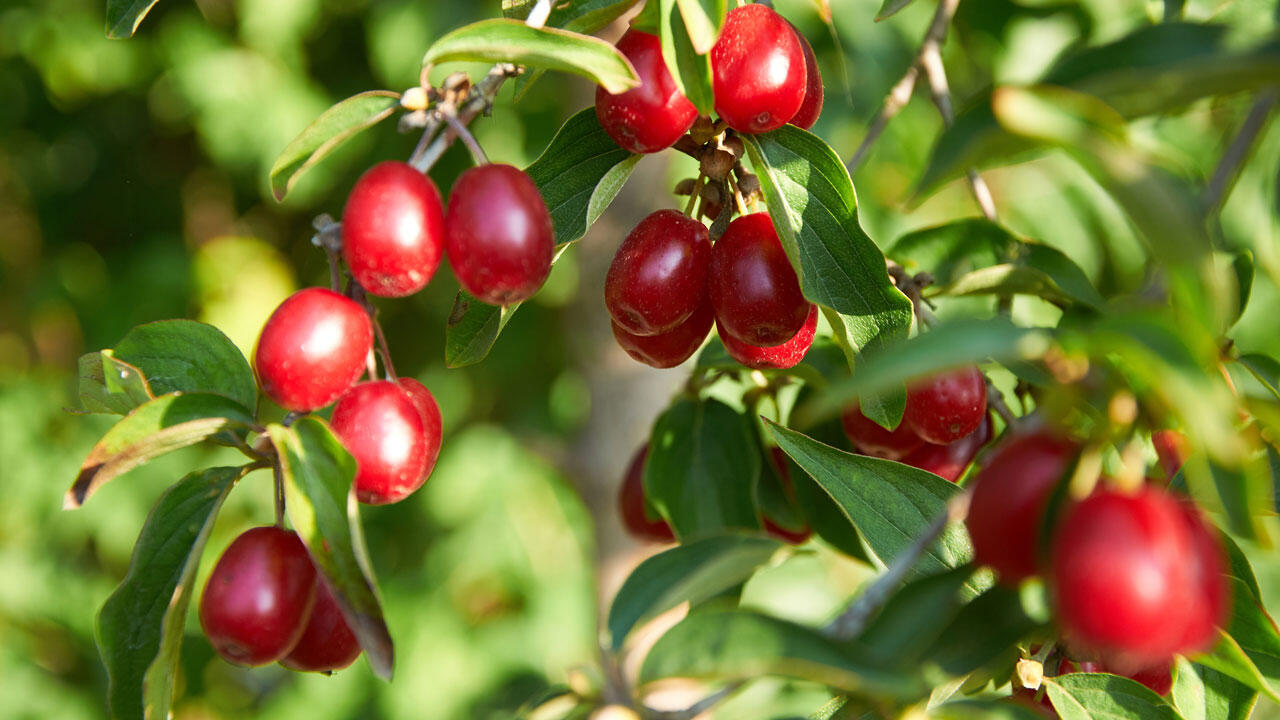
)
(940, 91)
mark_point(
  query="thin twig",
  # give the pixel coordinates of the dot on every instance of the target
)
(278, 480)
(477, 152)
(1228, 169)
(388, 369)
(701, 706)
(478, 100)
(995, 401)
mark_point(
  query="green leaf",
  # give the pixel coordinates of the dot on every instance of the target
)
(191, 357)
(1009, 279)
(703, 20)
(729, 645)
(1242, 267)
(697, 475)
(983, 710)
(318, 474)
(1203, 694)
(581, 16)
(1095, 696)
(108, 385)
(579, 174)
(692, 572)
(334, 127)
(152, 429)
(507, 40)
(124, 16)
(982, 632)
(139, 628)
(914, 617)
(1249, 649)
(952, 250)
(690, 70)
(889, 8)
(890, 504)
(1265, 369)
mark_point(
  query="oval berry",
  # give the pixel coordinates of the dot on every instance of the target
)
(658, 277)
(432, 423)
(633, 507)
(382, 428)
(779, 357)
(498, 234)
(668, 349)
(393, 230)
(653, 115)
(811, 106)
(869, 438)
(948, 406)
(259, 596)
(758, 70)
(753, 288)
(1010, 493)
(312, 348)
(949, 461)
(327, 643)
(794, 537)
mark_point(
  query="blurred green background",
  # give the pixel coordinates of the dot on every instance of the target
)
(133, 188)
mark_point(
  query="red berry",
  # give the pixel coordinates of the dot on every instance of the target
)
(949, 461)
(655, 114)
(432, 424)
(811, 106)
(869, 438)
(752, 285)
(312, 348)
(498, 233)
(1158, 679)
(327, 643)
(259, 596)
(758, 70)
(634, 508)
(795, 537)
(672, 347)
(1010, 493)
(1208, 566)
(379, 424)
(946, 407)
(659, 275)
(1128, 586)
(393, 230)
(779, 357)
(1171, 450)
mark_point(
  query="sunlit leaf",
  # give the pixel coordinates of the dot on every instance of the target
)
(189, 356)
(703, 20)
(1099, 696)
(1200, 693)
(124, 16)
(334, 127)
(889, 8)
(690, 70)
(108, 385)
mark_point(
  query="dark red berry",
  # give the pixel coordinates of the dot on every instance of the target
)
(259, 596)
(498, 234)
(633, 507)
(1126, 586)
(794, 537)
(432, 424)
(758, 70)
(327, 643)
(312, 348)
(779, 357)
(811, 106)
(947, 406)
(869, 438)
(379, 424)
(659, 275)
(753, 288)
(950, 461)
(1171, 450)
(1010, 493)
(672, 347)
(393, 230)
(655, 114)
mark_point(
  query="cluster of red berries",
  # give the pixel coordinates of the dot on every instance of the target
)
(1136, 577)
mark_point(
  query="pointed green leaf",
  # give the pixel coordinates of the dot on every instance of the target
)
(1203, 694)
(1249, 649)
(582, 16)
(124, 16)
(108, 385)
(983, 710)
(690, 70)
(703, 20)
(191, 357)
(139, 628)
(1098, 696)
(334, 127)
(889, 8)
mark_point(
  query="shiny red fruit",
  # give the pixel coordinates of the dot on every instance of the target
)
(312, 348)
(432, 424)
(634, 508)
(672, 347)
(379, 424)
(950, 461)
(795, 537)
(753, 288)
(1171, 450)
(758, 70)
(327, 643)
(655, 114)
(658, 277)
(1209, 567)
(1010, 493)
(259, 596)
(947, 406)
(393, 230)
(811, 106)
(779, 357)
(869, 438)
(498, 234)
(1127, 583)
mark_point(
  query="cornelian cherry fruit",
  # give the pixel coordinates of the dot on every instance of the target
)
(432, 424)
(652, 116)
(753, 288)
(950, 461)
(779, 357)
(668, 349)
(312, 348)
(758, 70)
(498, 234)
(381, 426)
(869, 438)
(258, 598)
(947, 406)
(795, 537)
(658, 277)
(327, 643)
(393, 230)
(633, 507)
(811, 106)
